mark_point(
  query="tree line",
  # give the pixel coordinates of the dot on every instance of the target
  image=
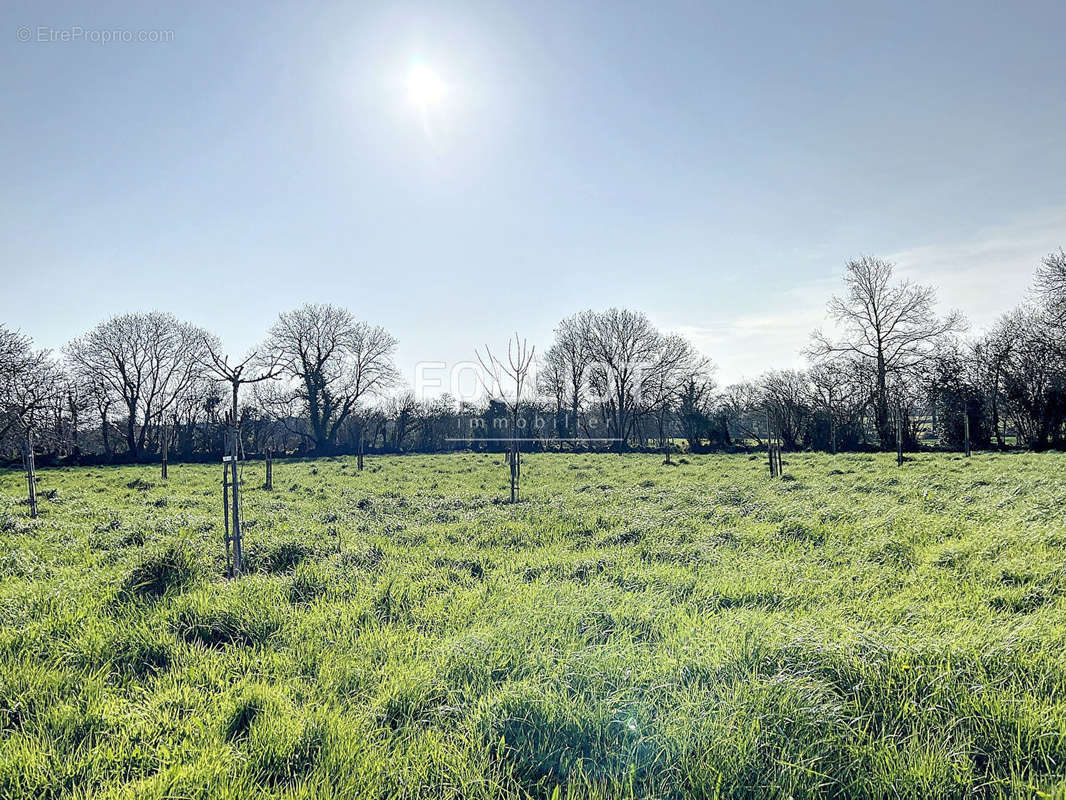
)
(323, 382)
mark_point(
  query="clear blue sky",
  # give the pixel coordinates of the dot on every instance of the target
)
(711, 164)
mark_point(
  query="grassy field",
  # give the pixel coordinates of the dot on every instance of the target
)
(629, 629)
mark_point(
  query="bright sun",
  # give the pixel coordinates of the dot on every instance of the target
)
(425, 86)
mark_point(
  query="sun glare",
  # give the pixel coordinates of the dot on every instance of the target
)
(424, 86)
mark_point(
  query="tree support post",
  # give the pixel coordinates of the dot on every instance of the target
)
(225, 517)
(512, 461)
(832, 427)
(165, 447)
(899, 437)
(770, 448)
(231, 500)
(235, 521)
(31, 475)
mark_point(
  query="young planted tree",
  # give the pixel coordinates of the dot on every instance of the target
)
(509, 382)
(891, 325)
(253, 369)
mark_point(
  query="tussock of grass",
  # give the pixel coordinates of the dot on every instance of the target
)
(277, 556)
(168, 569)
(250, 704)
(139, 648)
(309, 581)
(237, 616)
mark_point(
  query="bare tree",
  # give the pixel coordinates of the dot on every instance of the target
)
(103, 399)
(1033, 376)
(31, 385)
(741, 404)
(331, 362)
(623, 349)
(498, 379)
(551, 383)
(13, 349)
(147, 360)
(785, 396)
(839, 390)
(435, 422)
(200, 397)
(990, 355)
(566, 363)
(403, 411)
(893, 326)
(675, 361)
(76, 401)
(1051, 287)
(695, 407)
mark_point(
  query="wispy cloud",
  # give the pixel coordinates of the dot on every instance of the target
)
(748, 344)
(983, 276)
(991, 273)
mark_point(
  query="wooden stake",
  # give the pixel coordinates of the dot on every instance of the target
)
(231, 502)
(832, 427)
(899, 437)
(235, 521)
(225, 516)
(770, 447)
(512, 461)
(359, 459)
(270, 470)
(966, 430)
(31, 475)
(165, 448)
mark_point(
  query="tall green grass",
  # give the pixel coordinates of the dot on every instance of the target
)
(629, 630)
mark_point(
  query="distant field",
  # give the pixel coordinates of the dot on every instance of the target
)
(629, 629)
